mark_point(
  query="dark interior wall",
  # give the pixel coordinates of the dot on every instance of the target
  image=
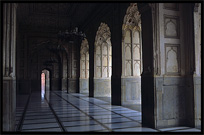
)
(32, 54)
(36, 32)
(39, 23)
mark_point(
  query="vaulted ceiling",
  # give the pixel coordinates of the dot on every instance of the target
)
(56, 16)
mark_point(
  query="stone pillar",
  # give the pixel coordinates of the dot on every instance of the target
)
(66, 47)
(116, 41)
(197, 73)
(147, 78)
(166, 83)
(78, 43)
(68, 61)
(64, 72)
(9, 66)
(91, 38)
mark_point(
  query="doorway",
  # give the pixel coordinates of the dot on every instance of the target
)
(45, 82)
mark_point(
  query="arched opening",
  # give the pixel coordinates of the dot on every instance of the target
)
(131, 58)
(45, 82)
(102, 62)
(42, 85)
(84, 67)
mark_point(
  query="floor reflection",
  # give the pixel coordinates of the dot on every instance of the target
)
(76, 112)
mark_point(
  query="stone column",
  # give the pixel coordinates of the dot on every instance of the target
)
(197, 73)
(91, 38)
(67, 56)
(66, 47)
(116, 40)
(78, 43)
(9, 66)
(147, 79)
(166, 83)
(64, 66)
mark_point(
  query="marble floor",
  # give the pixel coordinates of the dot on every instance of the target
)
(57, 111)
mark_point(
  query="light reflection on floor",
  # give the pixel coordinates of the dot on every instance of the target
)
(76, 112)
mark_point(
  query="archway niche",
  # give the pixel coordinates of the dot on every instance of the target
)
(131, 57)
(84, 67)
(102, 62)
(45, 83)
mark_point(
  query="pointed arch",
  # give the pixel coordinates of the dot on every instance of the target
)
(102, 62)
(131, 41)
(131, 56)
(84, 67)
(84, 59)
(102, 52)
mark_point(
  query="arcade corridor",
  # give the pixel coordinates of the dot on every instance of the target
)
(62, 112)
(101, 67)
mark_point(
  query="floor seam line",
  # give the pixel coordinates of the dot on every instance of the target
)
(56, 117)
(20, 124)
(108, 110)
(84, 112)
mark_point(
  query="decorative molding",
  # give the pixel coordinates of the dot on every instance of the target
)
(171, 26)
(131, 27)
(103, 34)
(156, 41)
(132, 18)
(101, 51)
(131, 41)
(84, 60)
(84, 46)
(172, 59)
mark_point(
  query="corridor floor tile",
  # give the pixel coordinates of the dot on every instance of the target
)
(188, 130)
(106, 116)
(91, 108)
(79, 123)
(75, 118)
(39, 117)
(172, 128)
(37, 126)
(130, 114)
(123, 125)
(39, 121)
(38, 113)
(67, 110)
(71, 115)
(126, 111)
(43, 130)
(100, 113)
(137, 118)
(114, 120)
(85, 128)
(79, 113)
(135, 129)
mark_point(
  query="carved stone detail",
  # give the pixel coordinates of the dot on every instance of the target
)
(103, 52)
(132, 19)
(172, 59)
(84, 59)
(131, 42)
(103, 35)
(171, 27)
